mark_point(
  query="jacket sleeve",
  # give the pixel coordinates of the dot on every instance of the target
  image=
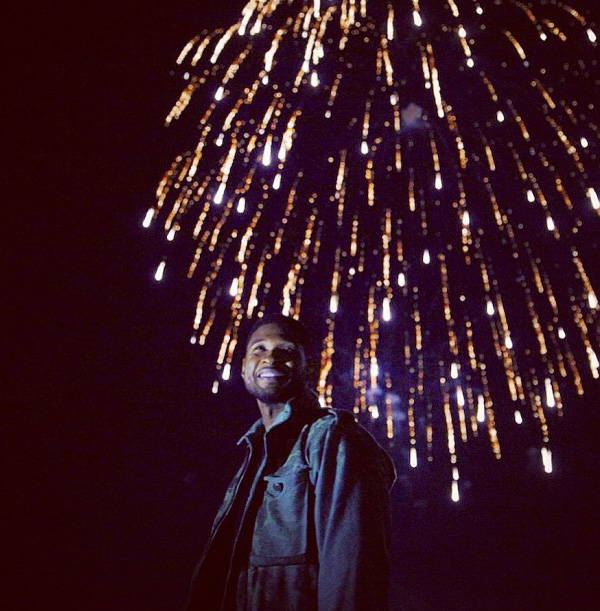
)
(352, 476)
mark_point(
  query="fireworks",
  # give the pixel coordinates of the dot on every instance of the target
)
(417, 181)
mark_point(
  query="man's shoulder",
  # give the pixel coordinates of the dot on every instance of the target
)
(338, 427)
(340, 422)
(328, 417)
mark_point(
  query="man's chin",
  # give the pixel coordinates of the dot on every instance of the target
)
(279, 394)
(270, 396)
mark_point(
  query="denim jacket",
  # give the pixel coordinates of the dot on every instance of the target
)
(321, 532)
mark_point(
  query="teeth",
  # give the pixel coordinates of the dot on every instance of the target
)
(271, 374)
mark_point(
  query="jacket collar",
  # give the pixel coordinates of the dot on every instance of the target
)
(292, 408)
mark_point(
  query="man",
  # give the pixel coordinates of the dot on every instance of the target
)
(305, 522)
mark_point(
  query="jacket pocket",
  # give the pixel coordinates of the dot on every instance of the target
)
(282, 522)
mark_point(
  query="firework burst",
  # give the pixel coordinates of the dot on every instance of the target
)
(419, 180)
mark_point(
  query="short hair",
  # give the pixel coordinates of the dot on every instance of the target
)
(293, 328)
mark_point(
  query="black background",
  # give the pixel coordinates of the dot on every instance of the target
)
(116, 458)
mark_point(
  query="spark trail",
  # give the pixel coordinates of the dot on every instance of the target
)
(416, 180)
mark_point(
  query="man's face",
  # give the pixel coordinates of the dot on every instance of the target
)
(274, 368)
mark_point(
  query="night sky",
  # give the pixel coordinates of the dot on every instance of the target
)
(117, 457)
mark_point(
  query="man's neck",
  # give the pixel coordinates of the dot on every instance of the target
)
(269, 412)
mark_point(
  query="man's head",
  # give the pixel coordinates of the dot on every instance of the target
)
(274, 368)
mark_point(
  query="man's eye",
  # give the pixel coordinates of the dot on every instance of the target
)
(258, 348)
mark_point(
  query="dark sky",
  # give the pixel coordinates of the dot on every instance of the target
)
(117, 459)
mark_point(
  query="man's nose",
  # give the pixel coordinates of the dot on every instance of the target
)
(276, 355)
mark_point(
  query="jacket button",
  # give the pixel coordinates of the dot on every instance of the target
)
(278, 487)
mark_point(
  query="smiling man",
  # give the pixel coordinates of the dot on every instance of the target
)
(305, 522)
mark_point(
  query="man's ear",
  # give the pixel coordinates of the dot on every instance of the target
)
(242, 372)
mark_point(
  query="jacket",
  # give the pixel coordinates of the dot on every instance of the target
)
(321, 531)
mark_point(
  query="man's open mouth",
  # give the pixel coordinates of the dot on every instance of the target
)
(271, 373)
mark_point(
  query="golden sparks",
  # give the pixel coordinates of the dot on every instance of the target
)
(352, 163)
